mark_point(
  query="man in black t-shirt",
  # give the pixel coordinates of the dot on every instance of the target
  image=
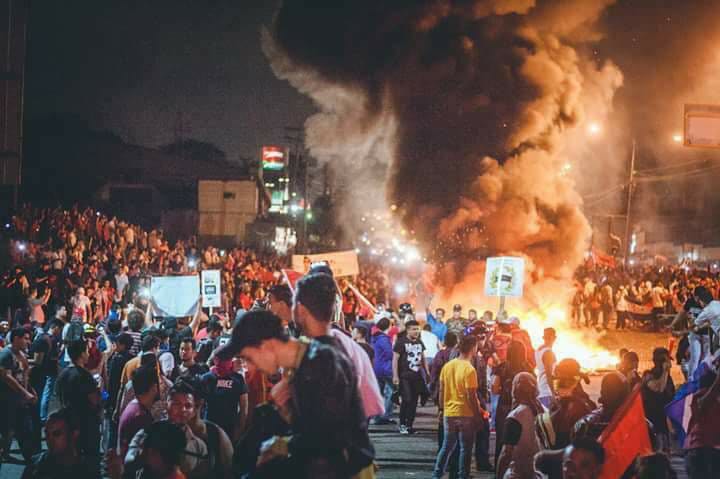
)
(210, 343)
(46, 354)
(227, 404)
(409, 371)
(15, 394)
(79, 394)
(188, 367)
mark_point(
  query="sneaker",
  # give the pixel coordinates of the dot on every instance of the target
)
(404, 430)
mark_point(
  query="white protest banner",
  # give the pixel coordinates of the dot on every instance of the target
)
(504, 276)
(342, 263)
(210, 288)
(174, 296)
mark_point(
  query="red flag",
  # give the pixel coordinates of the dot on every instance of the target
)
(601, 258)
(626, 437)
(291, 277)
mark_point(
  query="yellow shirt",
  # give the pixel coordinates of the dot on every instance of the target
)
(459, 387)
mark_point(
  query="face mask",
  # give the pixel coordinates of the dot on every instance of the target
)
(164, 347)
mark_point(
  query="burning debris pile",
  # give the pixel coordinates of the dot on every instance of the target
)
(460, 113)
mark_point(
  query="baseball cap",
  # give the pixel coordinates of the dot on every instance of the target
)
(251, 329)
(405, 308)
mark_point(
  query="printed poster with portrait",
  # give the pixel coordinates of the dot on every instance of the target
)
(504, 276)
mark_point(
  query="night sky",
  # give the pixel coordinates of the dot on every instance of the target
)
(131, 67)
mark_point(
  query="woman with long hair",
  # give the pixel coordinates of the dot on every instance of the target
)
(504, 374)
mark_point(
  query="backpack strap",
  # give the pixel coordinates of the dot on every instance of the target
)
(213, 445)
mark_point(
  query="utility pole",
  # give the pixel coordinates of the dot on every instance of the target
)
(293, 135)
(631, 187)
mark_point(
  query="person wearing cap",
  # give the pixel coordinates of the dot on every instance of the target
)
(545, 360)
(457, 324)
(318, 397)
(569, 405)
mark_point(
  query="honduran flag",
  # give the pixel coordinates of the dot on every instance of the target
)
(679, 412)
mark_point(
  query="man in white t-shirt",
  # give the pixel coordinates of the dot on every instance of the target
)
(657, 295)
(121, 281)
(545, 364)
(431, 342)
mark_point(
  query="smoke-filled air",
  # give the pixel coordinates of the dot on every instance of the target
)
(462, 114)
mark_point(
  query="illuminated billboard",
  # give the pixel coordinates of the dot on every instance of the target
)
(273, 158)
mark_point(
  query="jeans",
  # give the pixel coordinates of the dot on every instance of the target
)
(386, 388)
(47, 394)
(482, 445)
(411, 387)
(494, 398)
(703, 462)
(457, 431)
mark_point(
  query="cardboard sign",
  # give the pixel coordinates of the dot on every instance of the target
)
(504, 276)
(210, 288)
(342, 263)
(174, 296)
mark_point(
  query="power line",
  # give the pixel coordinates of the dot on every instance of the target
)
(672, 176)
(598, 197)
(670, 167)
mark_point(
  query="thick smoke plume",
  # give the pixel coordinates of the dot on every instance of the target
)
(462, 113)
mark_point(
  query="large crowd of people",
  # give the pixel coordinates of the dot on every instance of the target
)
(285, 379)
(639, 297)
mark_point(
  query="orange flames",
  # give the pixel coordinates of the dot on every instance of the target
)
(545, 305)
